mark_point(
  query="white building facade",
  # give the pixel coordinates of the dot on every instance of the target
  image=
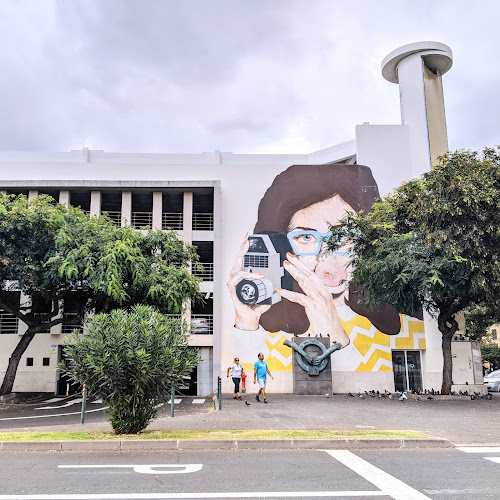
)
(214, 199)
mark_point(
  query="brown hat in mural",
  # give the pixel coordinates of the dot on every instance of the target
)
(299, 187)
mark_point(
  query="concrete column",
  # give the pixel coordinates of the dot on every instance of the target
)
(418, 68)
(95, 203)
(217, 295)
(157, 209)
(33, 193)
(126, 208)
(64, 197)
(188, 218)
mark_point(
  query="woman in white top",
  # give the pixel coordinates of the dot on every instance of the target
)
(237, 370)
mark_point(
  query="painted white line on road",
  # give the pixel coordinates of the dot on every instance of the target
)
(53, 400)
(161, 496)
(144, 469)
(55, 415)
(198, 401)
(480, 449)
(65, 405)
(493, 459)
(176, 401)
(388, 484)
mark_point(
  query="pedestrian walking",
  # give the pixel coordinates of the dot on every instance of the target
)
(237, 372)
(260, 372)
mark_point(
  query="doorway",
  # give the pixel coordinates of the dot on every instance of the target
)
(407, 368)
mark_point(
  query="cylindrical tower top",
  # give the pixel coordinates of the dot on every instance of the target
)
(437, 57)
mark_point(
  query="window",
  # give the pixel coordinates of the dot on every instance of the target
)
(29, 361)
(46, 362)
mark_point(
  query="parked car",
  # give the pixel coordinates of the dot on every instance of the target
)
(200, 325)
(492, 381)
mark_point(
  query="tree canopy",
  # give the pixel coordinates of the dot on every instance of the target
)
(53, 254)
(432, 243)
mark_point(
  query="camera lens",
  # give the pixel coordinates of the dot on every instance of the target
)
(252, 292)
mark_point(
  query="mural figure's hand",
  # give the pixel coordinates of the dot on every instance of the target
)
(246, 317)
(317, 301)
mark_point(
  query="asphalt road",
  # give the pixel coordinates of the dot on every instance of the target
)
(398, 474)
(65, 412)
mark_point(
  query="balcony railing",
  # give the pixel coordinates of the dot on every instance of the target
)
(202, 324)
(8, 323)
(142, 219)
(37, 315)
(203, 222)
(74, 323)
(171, 221)
(115, 216)
(207, 273)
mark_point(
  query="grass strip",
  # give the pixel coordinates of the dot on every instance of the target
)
(223, 434)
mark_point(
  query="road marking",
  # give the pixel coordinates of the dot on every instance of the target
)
(198, 401)
(493, 459)
(479, 449)
(176, 401)
(55, 415)
(65, 405)
(144, 469)
(389, 485)
(161, 496)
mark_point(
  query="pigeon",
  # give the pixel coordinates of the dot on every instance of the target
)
(351, 395)
(361, 395)
(390, 396)
(419, 398)
(472, 397)
(320, 335)
(327, 395)
(430, 397)
(403, 397)
(247, 403)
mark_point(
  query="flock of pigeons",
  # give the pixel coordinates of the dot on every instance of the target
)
(402, 396)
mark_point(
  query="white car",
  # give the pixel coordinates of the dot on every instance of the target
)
(200, 325)
(492, 381)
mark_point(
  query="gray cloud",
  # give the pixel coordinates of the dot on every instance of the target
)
(235, 75)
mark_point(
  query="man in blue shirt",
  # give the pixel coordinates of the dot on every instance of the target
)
(260, 371)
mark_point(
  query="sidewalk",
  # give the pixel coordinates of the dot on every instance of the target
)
(461, 421)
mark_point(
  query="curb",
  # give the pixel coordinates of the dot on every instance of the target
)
(223, 444)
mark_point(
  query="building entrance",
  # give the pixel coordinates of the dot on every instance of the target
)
(407, 367)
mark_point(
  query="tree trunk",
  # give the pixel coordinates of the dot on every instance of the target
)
(447, 326)
(15, 358)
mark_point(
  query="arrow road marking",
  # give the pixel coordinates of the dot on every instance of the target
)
(144, 469)
(70, 403)
(55, 415)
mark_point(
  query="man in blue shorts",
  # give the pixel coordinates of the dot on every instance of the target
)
(260, 371)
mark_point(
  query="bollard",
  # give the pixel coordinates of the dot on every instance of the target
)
(84, 404)
(172, 399)
(219, 392)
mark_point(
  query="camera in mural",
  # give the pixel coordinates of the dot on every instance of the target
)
(266, 253)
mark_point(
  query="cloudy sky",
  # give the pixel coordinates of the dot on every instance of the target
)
(248, 76)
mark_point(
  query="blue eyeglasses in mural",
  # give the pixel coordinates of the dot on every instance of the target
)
(309, 242)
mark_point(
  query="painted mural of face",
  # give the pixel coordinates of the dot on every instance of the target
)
(332, 268)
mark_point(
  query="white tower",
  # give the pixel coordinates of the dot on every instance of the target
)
(418, 68)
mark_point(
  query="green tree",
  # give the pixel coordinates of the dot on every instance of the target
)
(432, 243)
(55, 254)
(130, 360)
(491, 353)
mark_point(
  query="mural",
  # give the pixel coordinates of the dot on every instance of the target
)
(284, 282)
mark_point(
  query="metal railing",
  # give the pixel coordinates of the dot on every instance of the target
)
(72, 325)
(46, 330)
(207, 273)
(203, 222)
(8, 323)
(115, 216)
(142, 219)
(202, 324)
(172, 221)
